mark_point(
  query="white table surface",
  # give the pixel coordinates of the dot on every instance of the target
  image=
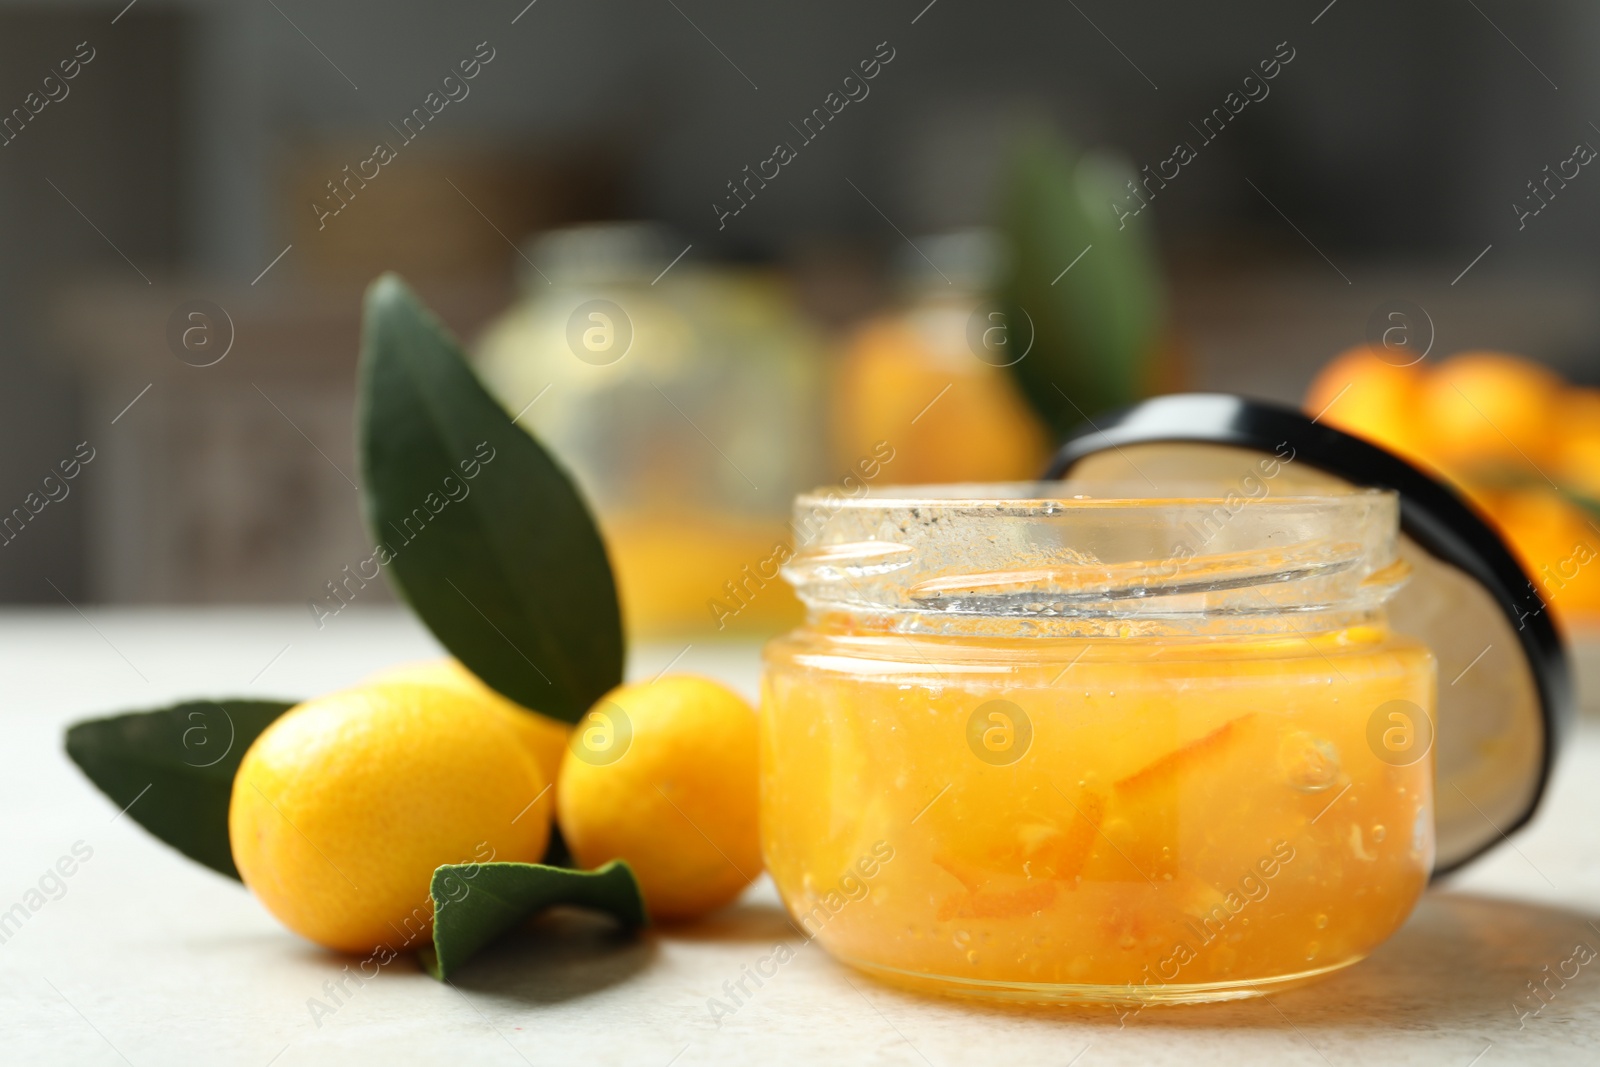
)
(150, 959)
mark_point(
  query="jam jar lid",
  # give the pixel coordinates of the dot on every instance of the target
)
(1505, 691)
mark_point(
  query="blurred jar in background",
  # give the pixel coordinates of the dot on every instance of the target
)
(922, 378)
(687, 407)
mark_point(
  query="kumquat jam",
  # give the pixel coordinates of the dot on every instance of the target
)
(1122, 750)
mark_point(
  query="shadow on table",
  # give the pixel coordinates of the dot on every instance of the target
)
(756, 921)
(562, 955)
(1462, 962)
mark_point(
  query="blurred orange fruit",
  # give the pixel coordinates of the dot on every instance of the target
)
(1578, 461)
(1360, 393)
(1558, 545)
(1490, 410)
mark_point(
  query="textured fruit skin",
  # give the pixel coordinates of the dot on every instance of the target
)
(680, 805)
(544, 738)
(342, 809)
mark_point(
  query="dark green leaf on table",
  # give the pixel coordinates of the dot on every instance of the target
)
(1096, 327)
(485, 535)
(473, 904)
(173, 769)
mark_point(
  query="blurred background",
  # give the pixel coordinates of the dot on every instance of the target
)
(715, 253)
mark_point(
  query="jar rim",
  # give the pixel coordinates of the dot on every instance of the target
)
(1043, 496)
(1066, 558)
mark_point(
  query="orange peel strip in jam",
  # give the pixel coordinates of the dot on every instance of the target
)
(1056, 857)
(1165, 770)
(1146, 805)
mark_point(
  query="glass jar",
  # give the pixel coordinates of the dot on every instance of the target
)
(687, 404)
(1119, 748)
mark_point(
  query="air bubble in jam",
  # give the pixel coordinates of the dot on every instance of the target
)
(1310, 764)
(1378, 833)
(1320, 922)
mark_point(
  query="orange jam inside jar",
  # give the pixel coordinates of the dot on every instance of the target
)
(1120, 749)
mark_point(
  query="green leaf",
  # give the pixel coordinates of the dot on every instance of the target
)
(475, 903)
(173, 769)
(491, 543)
(1095, 327)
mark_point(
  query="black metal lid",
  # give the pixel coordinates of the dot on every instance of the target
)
(1505, 688)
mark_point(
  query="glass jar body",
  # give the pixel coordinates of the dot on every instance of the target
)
(644, 374)
(1105, 818)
